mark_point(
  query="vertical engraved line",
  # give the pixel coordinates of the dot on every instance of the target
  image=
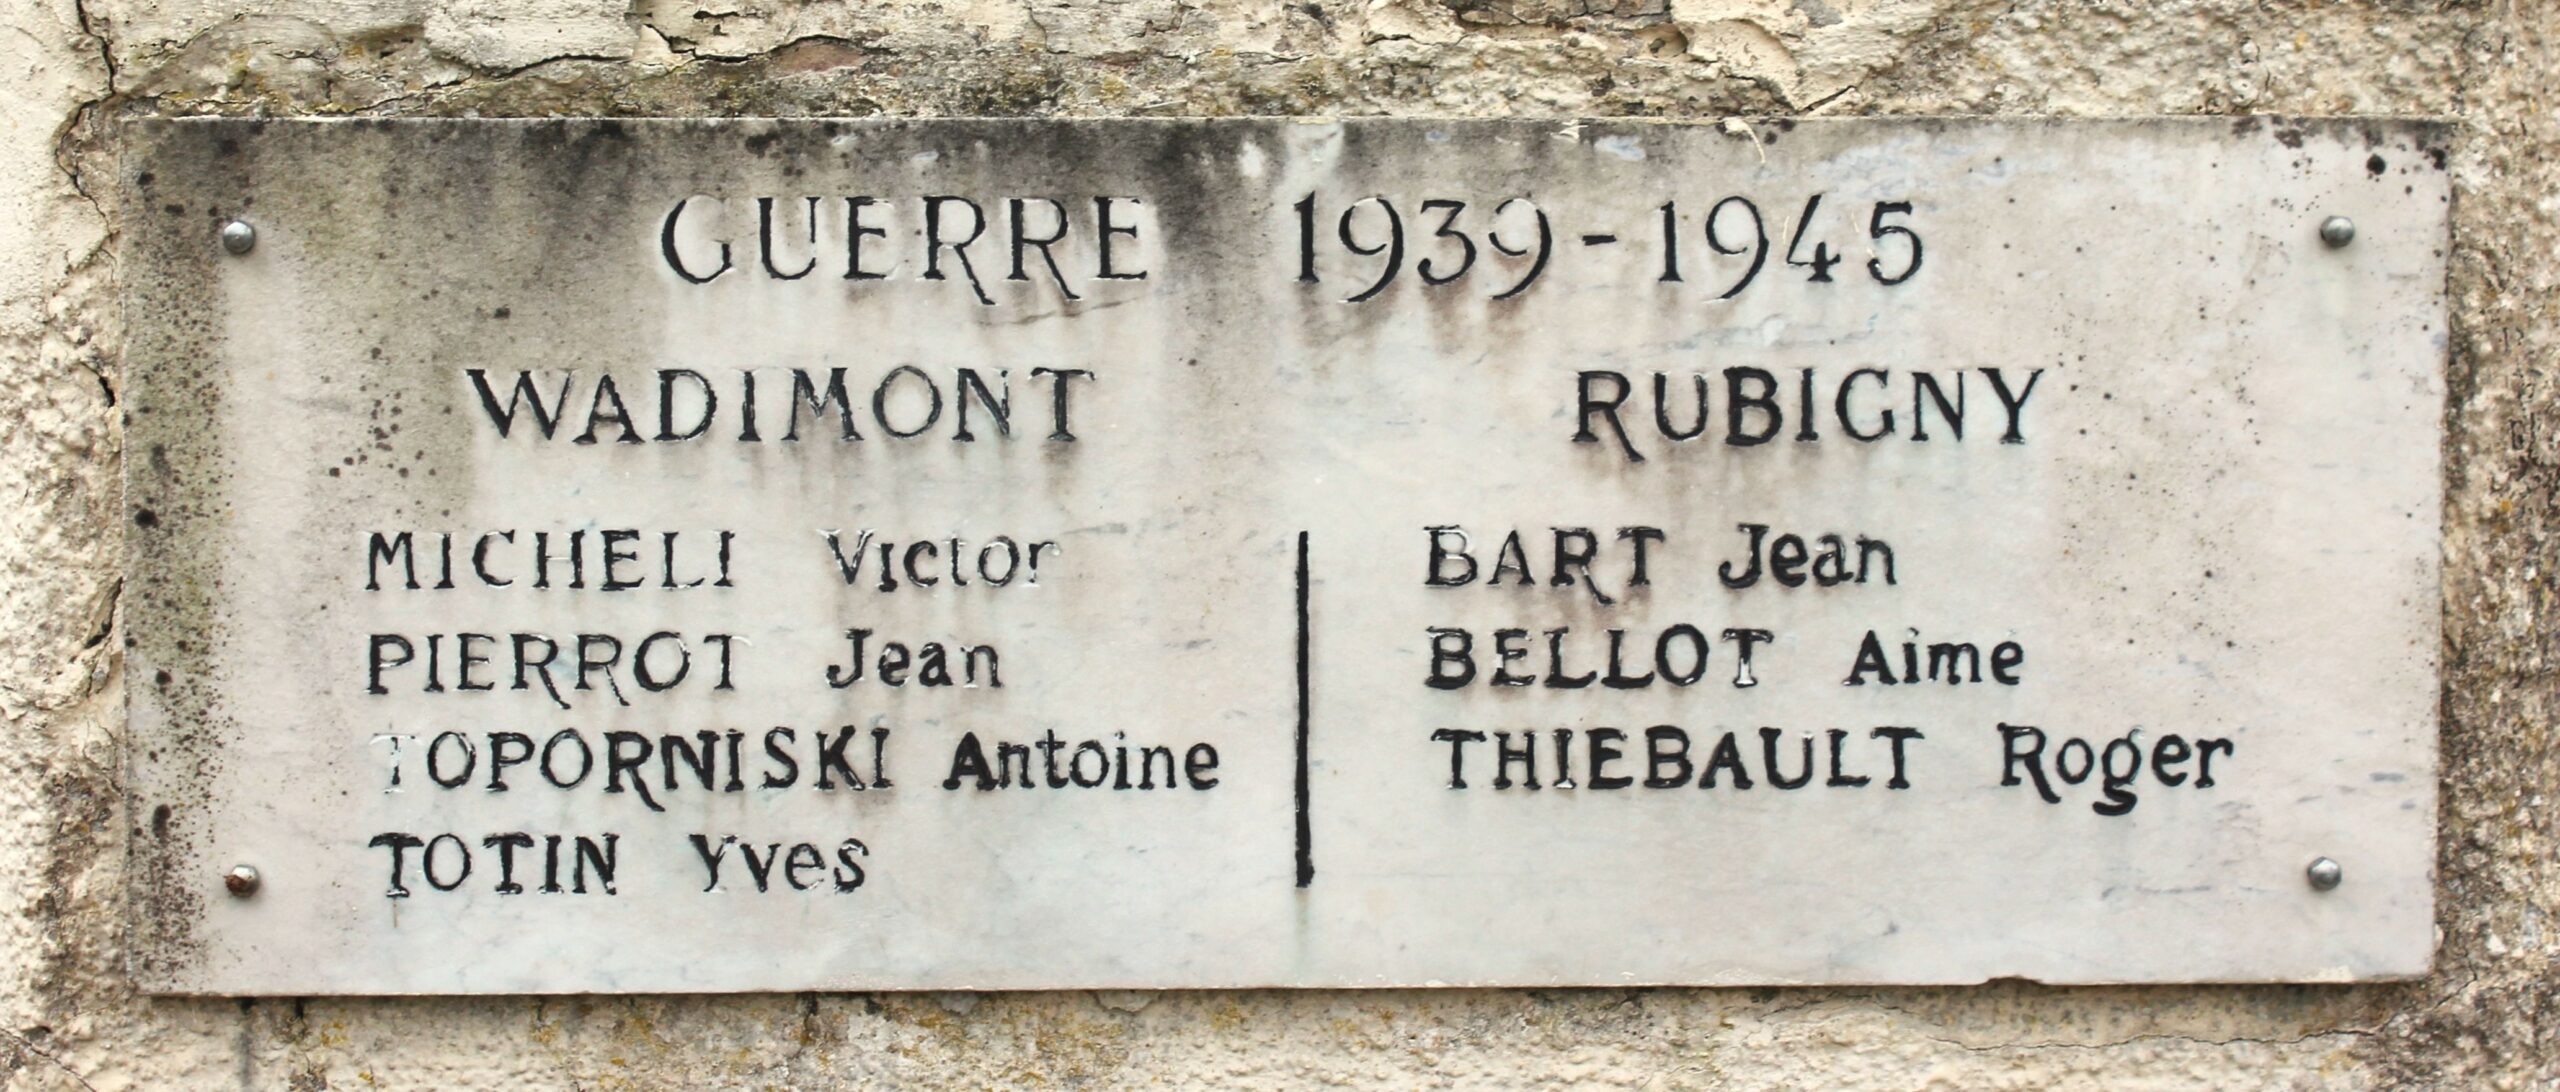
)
(1306, 842)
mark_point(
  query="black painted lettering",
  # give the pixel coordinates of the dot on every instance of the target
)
(936, 241)
(1587, 405)
(2024, 746)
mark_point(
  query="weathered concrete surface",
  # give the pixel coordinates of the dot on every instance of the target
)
(2485, 1020)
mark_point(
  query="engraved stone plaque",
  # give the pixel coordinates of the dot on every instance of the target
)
(597, 556)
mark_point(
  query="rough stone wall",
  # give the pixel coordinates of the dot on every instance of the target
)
(69, 71)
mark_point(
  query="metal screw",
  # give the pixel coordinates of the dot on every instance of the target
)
(241, 881)
(2325, 874)
(2337, 231)
(238, 237)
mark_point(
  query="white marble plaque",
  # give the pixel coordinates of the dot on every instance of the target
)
(586, 556)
